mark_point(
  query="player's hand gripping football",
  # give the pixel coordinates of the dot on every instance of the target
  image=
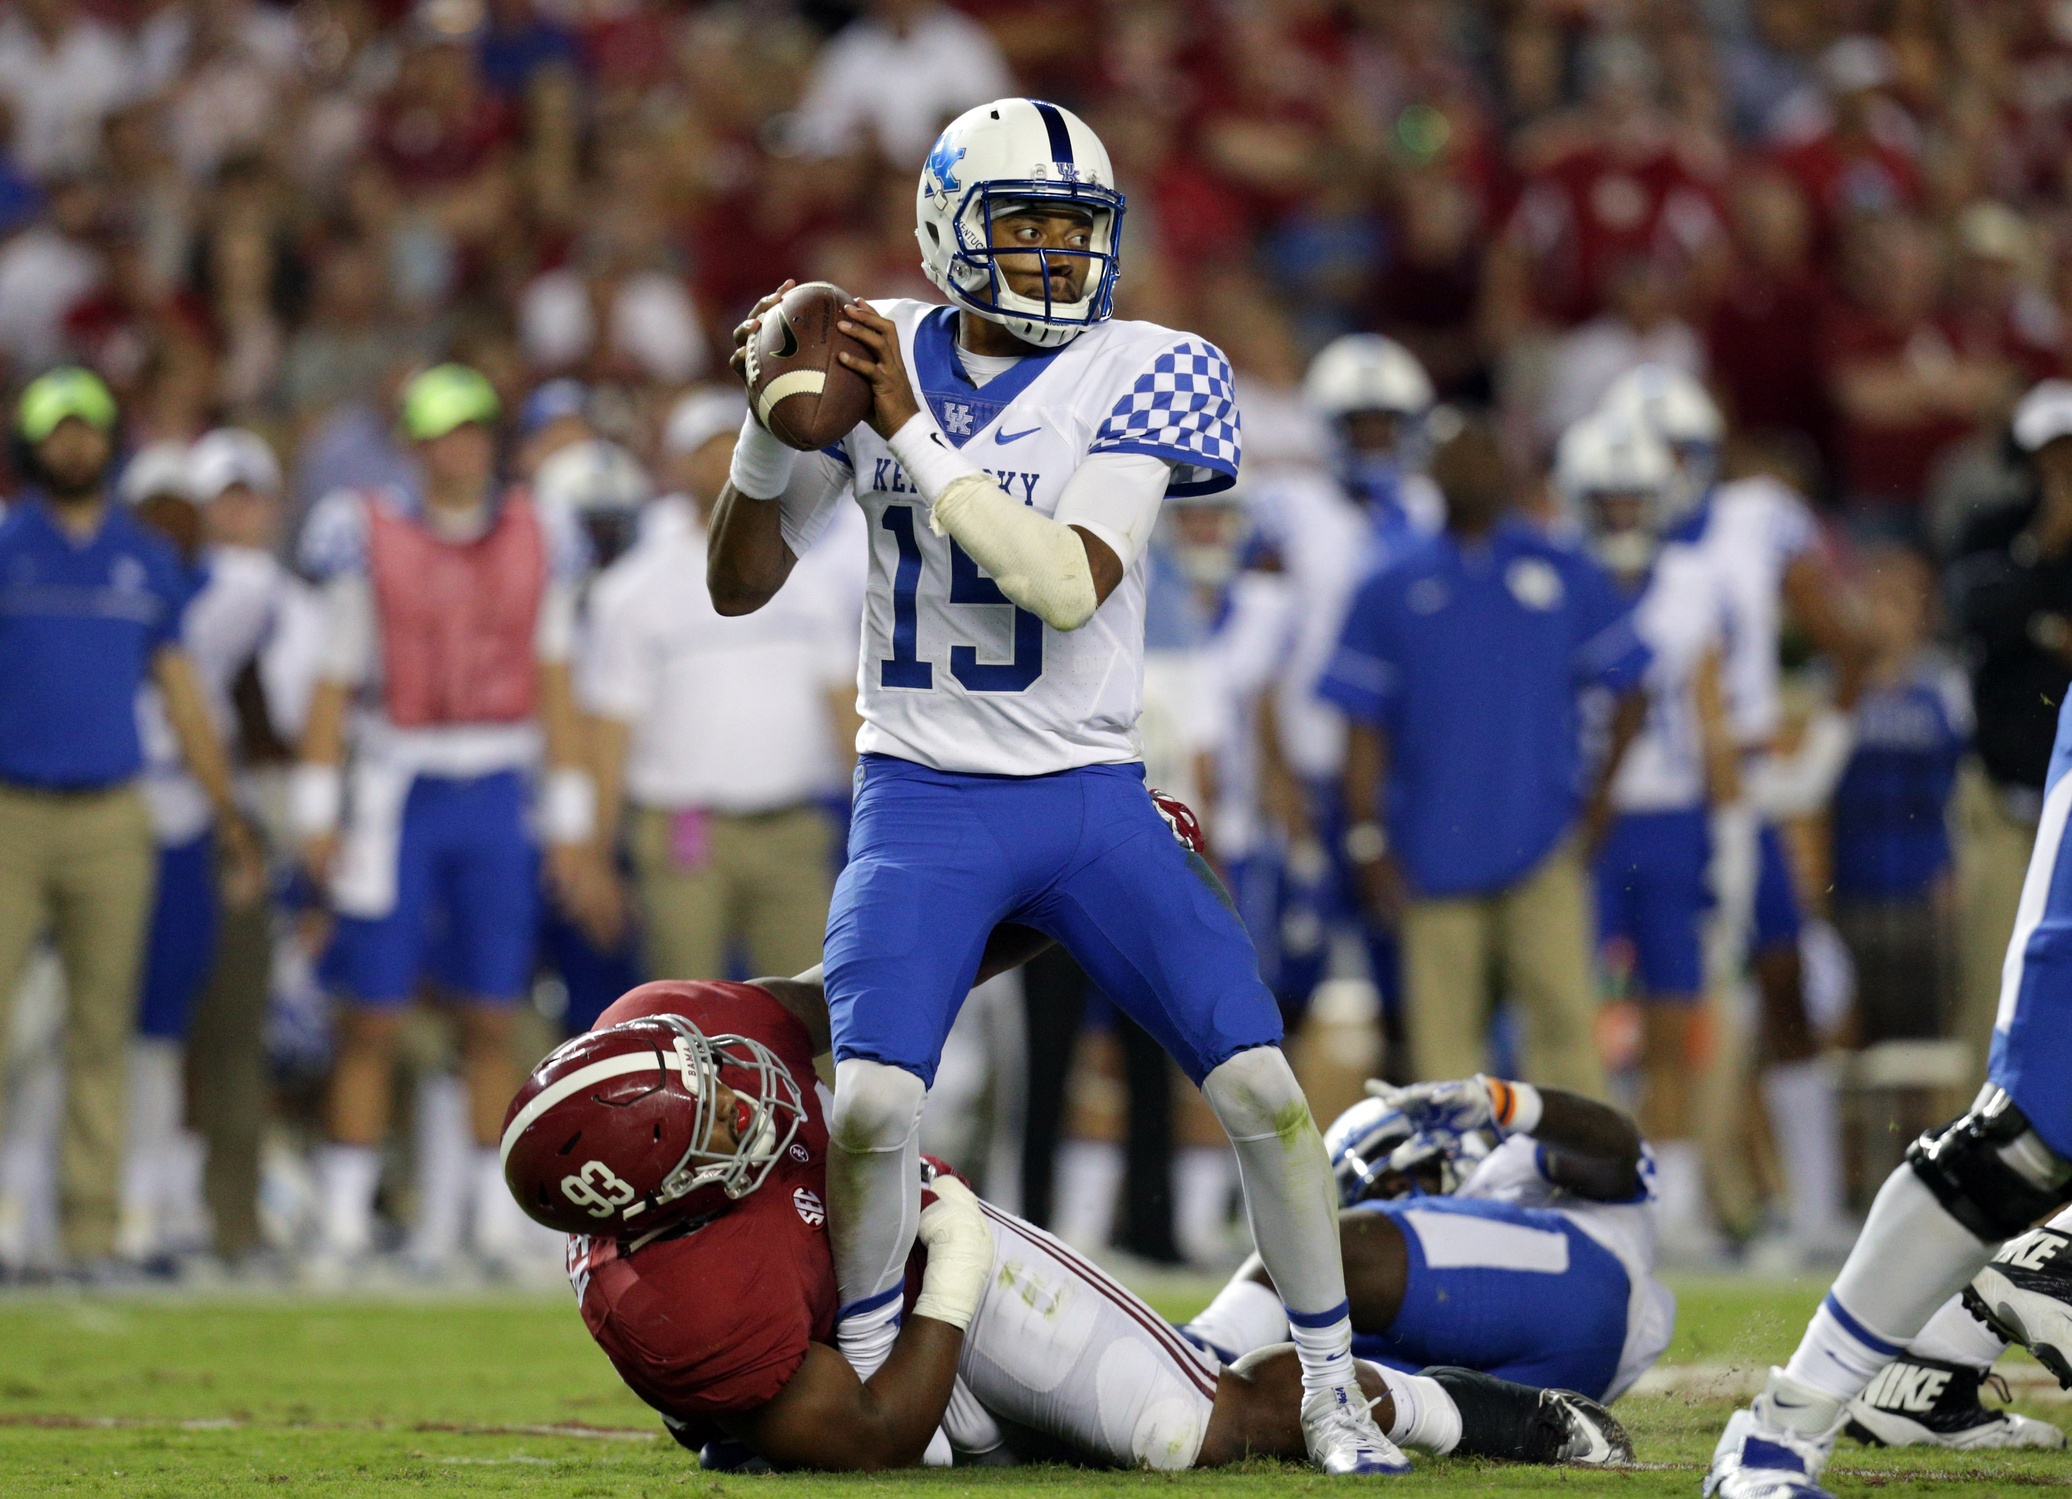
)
(745, 330)
(892, 393)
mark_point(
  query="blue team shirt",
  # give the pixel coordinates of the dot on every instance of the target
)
(1891, 807)
(79, 625)
(1472, 659)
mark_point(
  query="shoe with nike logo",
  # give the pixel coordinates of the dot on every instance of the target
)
(1760, 1457)
(2025, 1295)
(1924, 1402)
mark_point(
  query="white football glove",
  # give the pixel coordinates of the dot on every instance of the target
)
(1450, 1110)
(960, 1254)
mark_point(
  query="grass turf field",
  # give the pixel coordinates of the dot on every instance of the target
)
(168, 1396)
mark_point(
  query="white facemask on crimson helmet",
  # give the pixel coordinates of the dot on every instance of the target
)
(991, 161)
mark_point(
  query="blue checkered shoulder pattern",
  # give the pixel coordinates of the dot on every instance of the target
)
(1183, 409)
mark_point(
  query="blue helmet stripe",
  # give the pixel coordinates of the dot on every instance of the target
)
(1060, 137)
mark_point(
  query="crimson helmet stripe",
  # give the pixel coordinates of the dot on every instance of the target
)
(576, 1082)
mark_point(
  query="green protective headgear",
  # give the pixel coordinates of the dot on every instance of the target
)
(444, 397)
(61, 393)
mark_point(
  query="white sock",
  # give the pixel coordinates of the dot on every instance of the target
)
(1244, 1316)
(1911, 1257)
(1680, 1194)
(444, 1183)
(1426, 1417)
(155, 1097)
(348, 1176)
(1292, 1204)
(1954, 1336)
(873, 1202)
(1203, 1176)
(1089, 1178)
(1800, 1097)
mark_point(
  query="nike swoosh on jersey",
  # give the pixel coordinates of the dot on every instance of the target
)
(1004, 438)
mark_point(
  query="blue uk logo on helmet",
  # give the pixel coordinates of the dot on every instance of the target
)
(942, 164)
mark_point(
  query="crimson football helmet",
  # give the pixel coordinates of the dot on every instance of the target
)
(613, 1133)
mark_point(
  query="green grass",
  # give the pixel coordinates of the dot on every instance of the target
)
(153, 1396)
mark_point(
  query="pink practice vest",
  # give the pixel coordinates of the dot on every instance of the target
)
(457, 618)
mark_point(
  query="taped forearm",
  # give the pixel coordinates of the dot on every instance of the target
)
(1039, 564)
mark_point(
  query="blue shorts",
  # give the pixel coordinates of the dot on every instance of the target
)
(937, 860)
(182, 946)
(1522, 1293)
(467, 900)
(2032, 1036)
(1777, 915)
(1651, 892)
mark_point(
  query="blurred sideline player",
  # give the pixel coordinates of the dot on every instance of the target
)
(1615, 476)
(1962, 1190)
(1329, 532)
(451, 614)
(684, 1147)
(1012, 482)
(231, 612)
(1764, 544)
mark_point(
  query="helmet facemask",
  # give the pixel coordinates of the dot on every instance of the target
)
(974, 278)
(770, 1111)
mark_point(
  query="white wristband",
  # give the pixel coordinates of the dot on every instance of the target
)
(316, 798)
(931, 464)
(568, 806)
(762, 465)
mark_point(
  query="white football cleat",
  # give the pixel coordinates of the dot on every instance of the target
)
(1342, 1437)
(2025, 1295)
(1759, 1457)
(1921, 1402)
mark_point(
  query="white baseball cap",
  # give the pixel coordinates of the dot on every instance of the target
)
(157, 468)
(232, 455)
(2043, 415)
(701, 416)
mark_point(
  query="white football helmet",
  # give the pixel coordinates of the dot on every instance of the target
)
(232, 455)
(1677, 408)
(1000, 157)
(1366, 372)
(601, 487)
(1608, 455)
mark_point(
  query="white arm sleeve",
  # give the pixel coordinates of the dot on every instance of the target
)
(1116, 497)
(1036, 561)
(554, 632)
(348, 651)
(809, 499)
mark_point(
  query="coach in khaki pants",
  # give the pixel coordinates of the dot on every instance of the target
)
(90, 604)
(1460, 667)
(725, 734)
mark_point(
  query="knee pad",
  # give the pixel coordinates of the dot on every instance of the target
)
(1990, 1170)
(876, 1106)
(1254, 1093)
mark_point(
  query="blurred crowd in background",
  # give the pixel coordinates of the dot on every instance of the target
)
(255, 222)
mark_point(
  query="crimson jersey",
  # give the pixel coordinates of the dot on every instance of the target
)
(718, 1319)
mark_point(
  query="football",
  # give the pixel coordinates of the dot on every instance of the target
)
(805, 395)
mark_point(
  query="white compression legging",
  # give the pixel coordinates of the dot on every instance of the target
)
(873, 1180)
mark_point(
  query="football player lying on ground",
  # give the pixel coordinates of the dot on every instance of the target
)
(684, 1146)
(1508, 1229)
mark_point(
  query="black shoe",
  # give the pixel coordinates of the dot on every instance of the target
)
(1520, 1424)
(2025, 1295)
(1923, 1402)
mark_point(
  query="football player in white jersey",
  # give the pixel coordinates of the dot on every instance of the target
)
(1616, 475)
(1018, 447)
(1763, 543)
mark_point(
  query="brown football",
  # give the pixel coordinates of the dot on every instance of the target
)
(803, 394)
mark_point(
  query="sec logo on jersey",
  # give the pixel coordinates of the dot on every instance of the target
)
(810, 1210)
